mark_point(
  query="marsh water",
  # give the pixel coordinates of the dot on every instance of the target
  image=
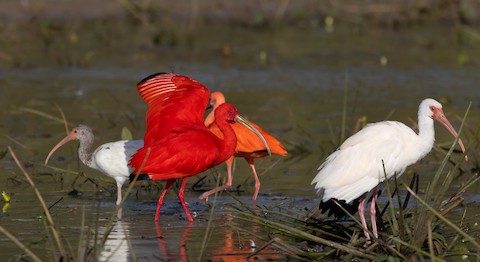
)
(291, 81)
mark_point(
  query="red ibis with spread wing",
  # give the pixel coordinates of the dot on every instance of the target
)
(177, 144)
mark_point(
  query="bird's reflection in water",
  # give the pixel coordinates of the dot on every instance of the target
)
(163, 246)
(177, 240)
(117, 246)
(237, 246)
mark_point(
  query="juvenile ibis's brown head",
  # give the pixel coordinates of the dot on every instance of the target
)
(82, 133)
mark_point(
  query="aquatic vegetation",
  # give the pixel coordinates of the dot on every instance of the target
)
(422, 229)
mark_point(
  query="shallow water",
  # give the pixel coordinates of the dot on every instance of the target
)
(297, 95)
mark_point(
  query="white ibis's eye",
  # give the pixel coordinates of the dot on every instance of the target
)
(75, 131)
(432, 108)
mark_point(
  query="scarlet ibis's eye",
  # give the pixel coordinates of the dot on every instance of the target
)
(230, 112)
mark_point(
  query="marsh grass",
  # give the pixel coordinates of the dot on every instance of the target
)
(304, 237)
(90, 243)
(412, 225)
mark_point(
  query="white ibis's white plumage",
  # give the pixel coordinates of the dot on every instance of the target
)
(355, 169)
(111, 158)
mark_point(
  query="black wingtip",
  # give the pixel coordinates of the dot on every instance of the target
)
(150, 77)
(140, 177)
(333, 209)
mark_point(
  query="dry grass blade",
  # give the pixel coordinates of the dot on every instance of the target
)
(55, 232)
(279, 244)
(302, 235)
(43, 114)
(80, 241)
(390, 201)
(430, 241)
(208, 230)
(445, 220)
(65, 122)
(415, 248)
(420, 233)
(16, 142)
(301, 224)
(59, 169)
(344, 108)
(20, 245)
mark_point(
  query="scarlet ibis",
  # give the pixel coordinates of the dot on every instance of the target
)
(356, 169)
(177, 143)
(249, 146)
(111, 158)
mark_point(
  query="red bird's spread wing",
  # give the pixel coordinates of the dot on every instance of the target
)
(172, 99)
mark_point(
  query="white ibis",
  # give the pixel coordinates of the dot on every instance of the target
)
(111, 158)
(355, 170)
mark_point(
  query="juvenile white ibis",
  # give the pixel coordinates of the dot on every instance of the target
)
(111, 158)
(355, 170)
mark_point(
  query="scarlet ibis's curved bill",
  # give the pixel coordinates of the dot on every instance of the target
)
(247, 124)
(440, 117)
(72, 136)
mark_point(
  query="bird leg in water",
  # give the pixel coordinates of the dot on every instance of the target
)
(361, 212)
(182, 200)
(255, 176)
(119, 194)
(119, 201)
(162, 196)
(227, 185)
(373, 214)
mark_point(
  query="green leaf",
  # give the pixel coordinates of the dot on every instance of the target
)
(126, 134)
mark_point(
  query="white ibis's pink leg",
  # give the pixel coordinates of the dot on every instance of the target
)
(226, 186)
(119, 194)
(373, 216)
(182, 200)
(257, 181)
(361, 210)
(162, 196)
(119, 201)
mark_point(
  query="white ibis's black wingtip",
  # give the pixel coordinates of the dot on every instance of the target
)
(140, 177)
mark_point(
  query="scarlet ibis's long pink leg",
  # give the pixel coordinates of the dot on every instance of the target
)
(227, 185)
(373, 216)
(361, 210)
(182, 200)
(162, 196)
(257, 181)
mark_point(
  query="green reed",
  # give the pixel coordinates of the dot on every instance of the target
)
(413, 230)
